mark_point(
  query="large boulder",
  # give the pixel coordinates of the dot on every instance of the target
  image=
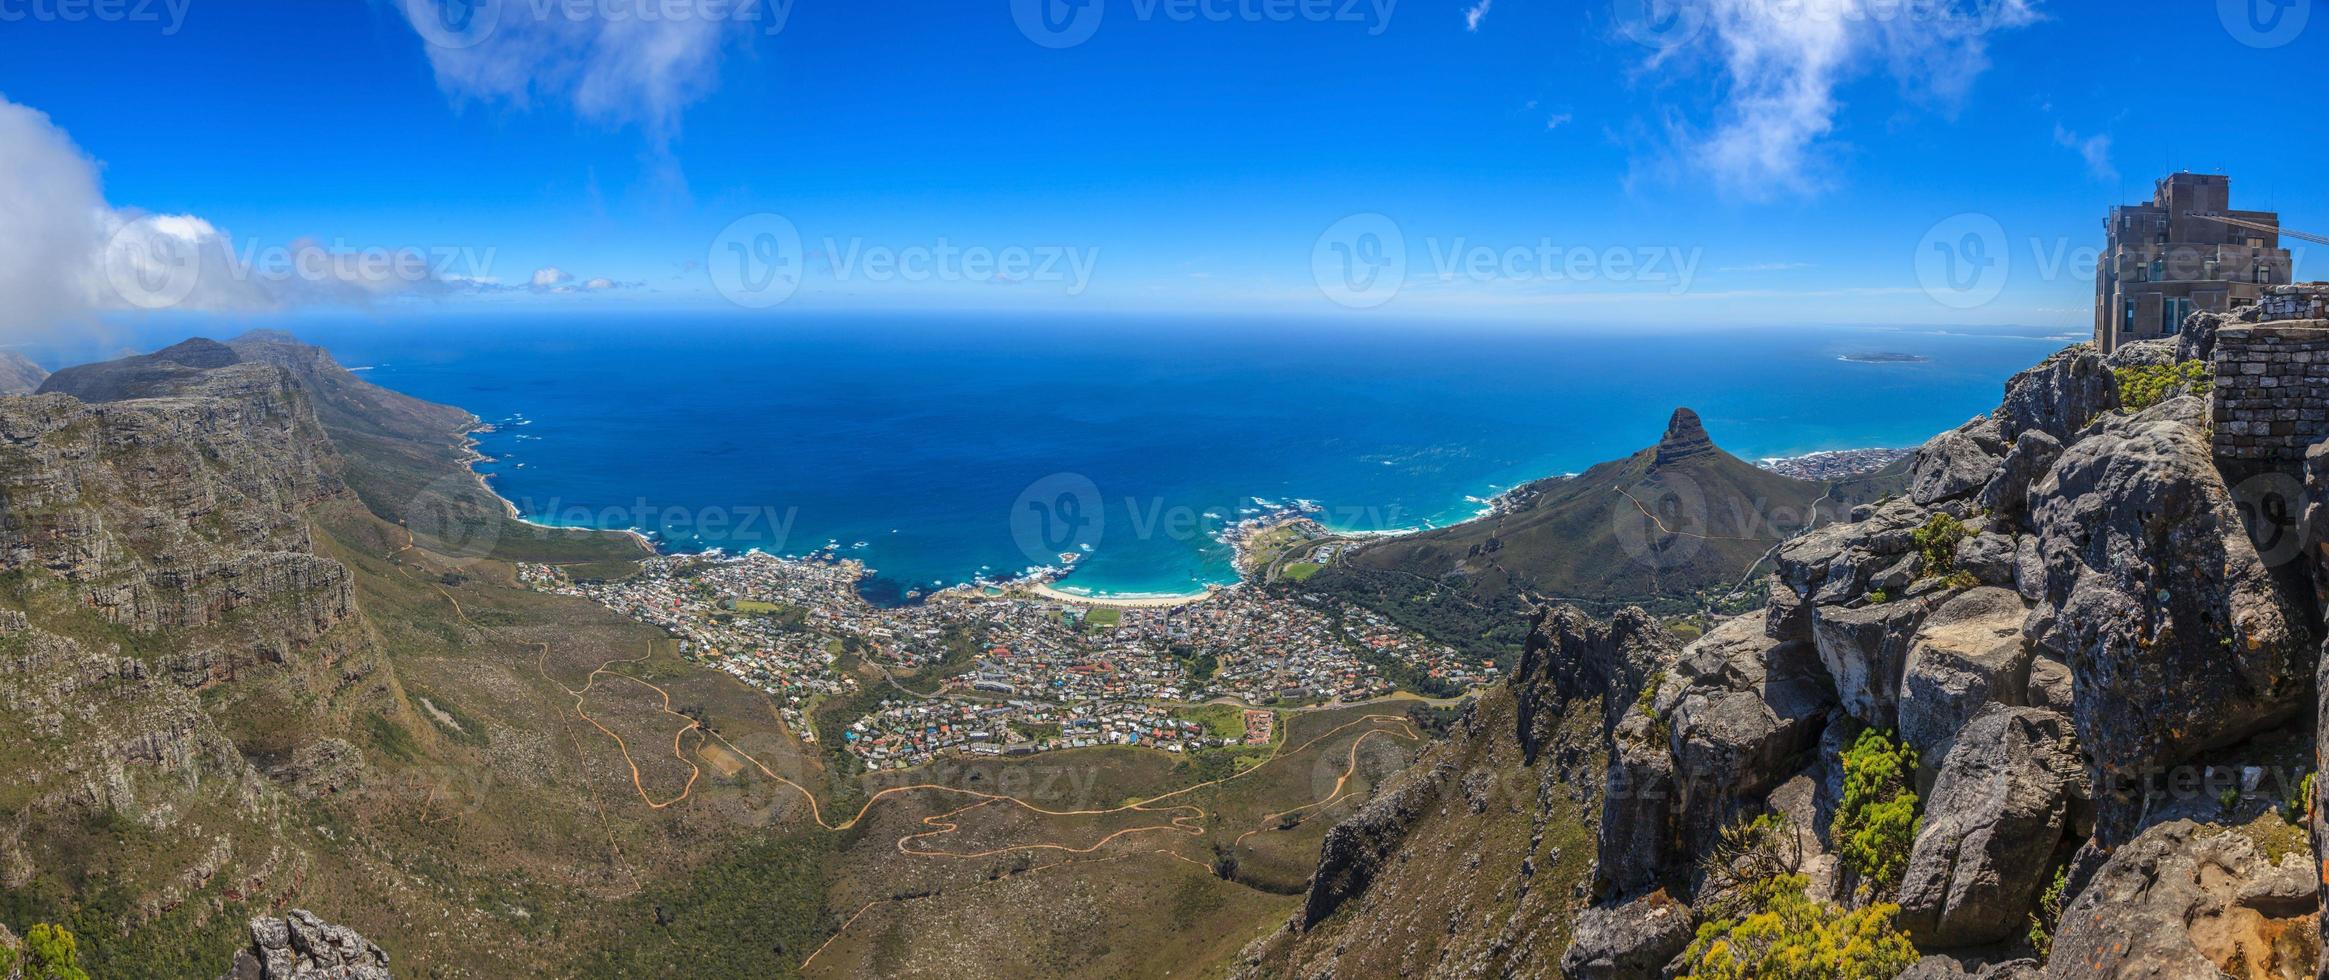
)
(1636, 845)
(2186, 900)
(1633, 941)
(2059, 396)
(1956, 463)
(1969, 653)
(2008, 491)
(1997, 812)
(2178, 632)
(1744, 712)
(1865, 651)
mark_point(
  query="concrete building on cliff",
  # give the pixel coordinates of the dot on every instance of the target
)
(2168, 259)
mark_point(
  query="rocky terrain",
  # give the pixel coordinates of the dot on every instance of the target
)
(2092, 645)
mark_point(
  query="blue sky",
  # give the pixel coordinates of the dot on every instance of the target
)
(1776, 160)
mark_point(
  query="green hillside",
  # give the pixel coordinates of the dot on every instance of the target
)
(1673, 527)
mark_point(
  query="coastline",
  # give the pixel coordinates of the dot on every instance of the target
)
(471, 456)
(1045, 584)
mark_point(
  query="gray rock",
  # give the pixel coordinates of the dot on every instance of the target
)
(2059, 396)
(1744, 715)
(300, 946)
(1637, 841)
(1955, 463)
(1968, 654)
(2143, 353)
(1632, 941)
(2185, 900)
(1570, 656)
(1998, 810)
(1865, 651)
(1989, 557)
(2179, 635)
(2050, 686)
(2008, 491)
(2029, 568)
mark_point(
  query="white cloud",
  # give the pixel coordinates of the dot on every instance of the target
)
(1558, 120)
(551, 277)
(1782, 63)
(610, 64)
(1477, 13)
(2095, 150)
(67, 256)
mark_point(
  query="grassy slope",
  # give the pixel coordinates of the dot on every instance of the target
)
(1626, 532)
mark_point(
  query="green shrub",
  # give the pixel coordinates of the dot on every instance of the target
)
(2144, 386)
(2048, 914)
(1876, 823)
(1791, 937)
(51, 953)
(1937, 541)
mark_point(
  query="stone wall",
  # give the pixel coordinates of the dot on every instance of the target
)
(2301, 301)
(2271, 396)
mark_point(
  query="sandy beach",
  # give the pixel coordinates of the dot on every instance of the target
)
(1131, 602)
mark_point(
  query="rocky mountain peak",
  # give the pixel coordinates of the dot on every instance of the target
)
(199, 352)
(1685, 438)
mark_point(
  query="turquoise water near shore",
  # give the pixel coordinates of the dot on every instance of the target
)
(943, 449)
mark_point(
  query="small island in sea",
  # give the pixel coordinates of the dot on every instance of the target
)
(1884, 357)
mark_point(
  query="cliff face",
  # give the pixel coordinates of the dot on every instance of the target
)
(1475, 861)
(159, 583)
(2099, 644)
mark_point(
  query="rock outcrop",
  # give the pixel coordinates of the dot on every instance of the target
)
(2007, 794)
(2177, 632)
(300, 946)
(2185, 900)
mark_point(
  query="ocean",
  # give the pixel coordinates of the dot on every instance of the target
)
(941, 450)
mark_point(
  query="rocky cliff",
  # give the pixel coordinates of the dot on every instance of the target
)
(19, 375)
(2094, 643)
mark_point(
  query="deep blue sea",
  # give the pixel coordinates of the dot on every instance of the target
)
(943, 449)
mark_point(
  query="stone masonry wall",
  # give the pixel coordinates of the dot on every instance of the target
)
(2271, 396)
(2298, 301)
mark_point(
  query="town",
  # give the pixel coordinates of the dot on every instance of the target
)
(1008, 671)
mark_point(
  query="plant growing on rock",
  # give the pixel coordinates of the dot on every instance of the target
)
(1937, 543)
(1790, 937)
(1876, 822)
(2143, 386)
(1748, 853)
(2048, 914)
